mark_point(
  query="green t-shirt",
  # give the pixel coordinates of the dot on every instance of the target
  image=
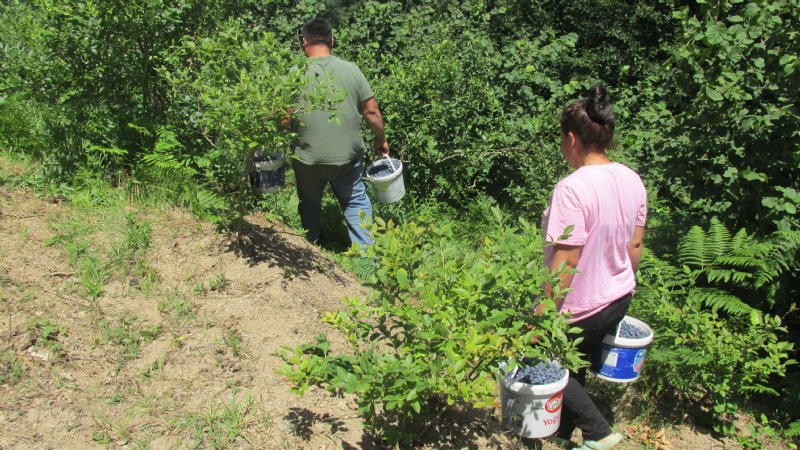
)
(326, 140)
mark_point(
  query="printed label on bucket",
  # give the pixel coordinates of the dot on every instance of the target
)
(638, 361)
(617, 363)
(553, 404)
(552, 421)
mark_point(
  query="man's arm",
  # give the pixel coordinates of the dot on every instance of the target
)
(635, 247)
(372, 114)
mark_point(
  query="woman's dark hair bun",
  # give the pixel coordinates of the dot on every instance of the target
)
(598, 107)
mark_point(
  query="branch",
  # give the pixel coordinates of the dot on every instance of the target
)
(205, 136)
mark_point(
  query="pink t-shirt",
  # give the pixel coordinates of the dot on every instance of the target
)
(603, 202)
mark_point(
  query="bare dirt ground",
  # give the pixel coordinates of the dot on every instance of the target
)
(186, 356)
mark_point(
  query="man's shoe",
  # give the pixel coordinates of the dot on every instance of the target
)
(607, 443)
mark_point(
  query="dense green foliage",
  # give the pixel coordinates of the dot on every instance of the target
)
(727, 115)
(715, 346)
(170, 99)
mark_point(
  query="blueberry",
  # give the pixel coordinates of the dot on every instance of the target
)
(380, 170)
(540, 373)
(631, 331)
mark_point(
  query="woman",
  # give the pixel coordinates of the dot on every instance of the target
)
(605, 203)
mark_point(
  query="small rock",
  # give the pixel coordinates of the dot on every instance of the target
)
(74, 424)
(37, 354)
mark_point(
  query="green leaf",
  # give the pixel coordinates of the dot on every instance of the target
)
(567, 233)
(714, 33)
(713, 94)
(402, 278)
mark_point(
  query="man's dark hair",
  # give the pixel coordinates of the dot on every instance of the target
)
(318, 31)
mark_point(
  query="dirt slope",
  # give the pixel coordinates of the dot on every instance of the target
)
(194, 373)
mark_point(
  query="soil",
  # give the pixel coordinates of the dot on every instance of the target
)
(78, 389)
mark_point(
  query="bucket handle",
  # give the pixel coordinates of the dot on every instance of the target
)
(394, 169)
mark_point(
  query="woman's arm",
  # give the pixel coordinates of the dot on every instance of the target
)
(569, 255)
(635, 247)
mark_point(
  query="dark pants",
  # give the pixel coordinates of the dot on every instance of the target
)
(579, 410)
(348, 187)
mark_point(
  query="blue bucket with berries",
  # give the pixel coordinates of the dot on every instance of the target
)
(620, 357)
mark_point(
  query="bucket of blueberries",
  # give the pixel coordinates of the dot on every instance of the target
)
(386, 176)
(269, 172)
(620, 357)
(531, 394)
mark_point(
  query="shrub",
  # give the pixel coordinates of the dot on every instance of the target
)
(442, 319)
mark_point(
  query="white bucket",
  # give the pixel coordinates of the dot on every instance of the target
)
(270, 174)
(620, 359)
(388, 188)
(531, 411)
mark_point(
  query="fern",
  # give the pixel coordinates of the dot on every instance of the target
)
(691, 251)
(718, 299)
(364, 269)
(738, 263)
(700, 249)
(794, 429)
(165, 155)
(759, 389)
(780, 257)
(718, 241)
(204, 203)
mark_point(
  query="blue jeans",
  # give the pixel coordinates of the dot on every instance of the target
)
(347, 186)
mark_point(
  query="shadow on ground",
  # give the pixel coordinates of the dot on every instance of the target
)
(461, 427)
(261, 244)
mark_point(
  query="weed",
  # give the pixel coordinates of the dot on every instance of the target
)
(199, 289)
(11, 370)
(156, 368)
(221, 424)
(92, 273)
(218, 283)
(128, 333)
(93, 268)
(45, 333)
(138, 235)
(233, 339)
(102, 437)
(207, 321)
(127, 255)
(116, 398)
(47, 330)
(177, 307)
(27, 296)
(148, 282)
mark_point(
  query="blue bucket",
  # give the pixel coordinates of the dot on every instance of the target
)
(270, 173)
(620, 359)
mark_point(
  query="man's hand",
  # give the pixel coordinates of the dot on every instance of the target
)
(382, 149)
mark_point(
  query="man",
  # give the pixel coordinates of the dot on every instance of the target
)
(330, 149)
